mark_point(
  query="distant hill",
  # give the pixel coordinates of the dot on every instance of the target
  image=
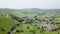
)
(29, 11)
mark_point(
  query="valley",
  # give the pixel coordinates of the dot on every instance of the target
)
(30, 21)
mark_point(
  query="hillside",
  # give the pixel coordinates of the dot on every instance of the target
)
(6, 24)
(29, 21)
(29, 11)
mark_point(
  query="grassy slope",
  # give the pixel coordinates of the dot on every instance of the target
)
(27, 31)
(6, 23)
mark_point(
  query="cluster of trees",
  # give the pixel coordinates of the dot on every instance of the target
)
(15, 17)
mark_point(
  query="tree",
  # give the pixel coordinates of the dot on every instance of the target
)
(2, 29)
(33, 31)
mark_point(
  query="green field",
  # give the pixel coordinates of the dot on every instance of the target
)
(6, 24)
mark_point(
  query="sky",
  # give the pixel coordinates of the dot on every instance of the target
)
(22, 4)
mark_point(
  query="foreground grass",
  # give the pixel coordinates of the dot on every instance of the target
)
(6, 24)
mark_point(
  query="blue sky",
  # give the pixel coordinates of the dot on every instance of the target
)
(22, 4)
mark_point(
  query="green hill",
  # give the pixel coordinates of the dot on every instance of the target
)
(6, 24)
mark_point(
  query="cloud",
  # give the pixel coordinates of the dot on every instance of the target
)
(20, 4)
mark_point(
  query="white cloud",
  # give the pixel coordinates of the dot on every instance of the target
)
(30, 4)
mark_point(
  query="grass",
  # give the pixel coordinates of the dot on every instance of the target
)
(55, 32)
(6, 24)
(27, 31)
